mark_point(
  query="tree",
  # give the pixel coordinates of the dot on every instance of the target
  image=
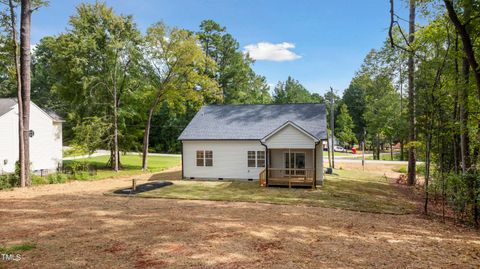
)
(25, 82)
(344, 126)
(232, 69)
(97, 70)
(412, 132)
(176, 70)
(354, 98)
(291, 91)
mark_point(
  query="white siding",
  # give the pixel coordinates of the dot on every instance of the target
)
(229, 159)
(45, 145)
(290, 137)
(8, 141)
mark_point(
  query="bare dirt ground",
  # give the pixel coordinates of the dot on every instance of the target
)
(74, 225)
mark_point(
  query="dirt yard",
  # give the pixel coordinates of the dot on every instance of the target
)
(74, 225)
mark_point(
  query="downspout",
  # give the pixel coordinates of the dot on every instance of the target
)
(267, 160)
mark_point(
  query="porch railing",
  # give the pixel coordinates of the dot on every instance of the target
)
(262, 178)
(306, 173)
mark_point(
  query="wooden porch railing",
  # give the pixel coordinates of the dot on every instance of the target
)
(291, 176)
(291, 172)
(262, 178)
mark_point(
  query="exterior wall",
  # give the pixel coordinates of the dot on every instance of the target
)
(8, 141)
(290, 137)
(229, 159)
(45, 145)
(319, 161)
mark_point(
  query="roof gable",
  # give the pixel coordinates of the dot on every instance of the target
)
(7, 104)
(254, 122)
(286, 124)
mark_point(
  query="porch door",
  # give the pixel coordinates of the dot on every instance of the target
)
(295, 160)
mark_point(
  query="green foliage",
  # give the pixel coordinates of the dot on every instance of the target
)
(354, 98)
(90, 134)
(291, 91)
(344, 127)
(238, 82)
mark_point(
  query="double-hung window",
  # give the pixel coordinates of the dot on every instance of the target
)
(204, 158)
(256, 158)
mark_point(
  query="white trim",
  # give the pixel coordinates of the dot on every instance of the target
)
(288, 123)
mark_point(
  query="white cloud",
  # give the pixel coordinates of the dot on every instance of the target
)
(272, 52)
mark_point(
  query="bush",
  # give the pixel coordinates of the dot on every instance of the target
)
(5, 182)
(81, 176)
(402, 170)
(56, 178)
(38, 180)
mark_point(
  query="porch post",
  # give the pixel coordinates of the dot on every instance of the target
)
(267, 162)
(289, 164)
(314, 150)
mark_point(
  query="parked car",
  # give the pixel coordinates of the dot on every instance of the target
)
(339, 149)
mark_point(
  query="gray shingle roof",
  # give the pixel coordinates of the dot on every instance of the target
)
(7, 104)
(223, 122)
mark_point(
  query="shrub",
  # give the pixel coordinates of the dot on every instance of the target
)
(81, 176)
(57, 178)
(38, 180)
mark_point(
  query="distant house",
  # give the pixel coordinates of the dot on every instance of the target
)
(280, 144)
(45, 142)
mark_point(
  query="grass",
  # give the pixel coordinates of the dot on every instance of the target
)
(352, 190)
(17, 248)
(131, 165)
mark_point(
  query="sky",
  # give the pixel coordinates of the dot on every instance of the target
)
(321, 43)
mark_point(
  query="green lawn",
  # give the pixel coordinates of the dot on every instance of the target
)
(353, 190)
(131, 164)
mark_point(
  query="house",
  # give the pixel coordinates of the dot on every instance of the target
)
(280, 144)
(45, 137)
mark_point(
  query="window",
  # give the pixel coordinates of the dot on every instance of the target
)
(208, 158)
(256, 158)
(260, 158)
(200, 158)
(251, 159)
(204, 158)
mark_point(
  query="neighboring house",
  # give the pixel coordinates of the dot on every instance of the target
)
(45, 142)
(275, 143)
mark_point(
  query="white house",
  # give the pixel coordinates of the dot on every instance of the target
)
(45, 141)
(280, 144)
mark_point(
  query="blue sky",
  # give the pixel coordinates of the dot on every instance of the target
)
(321, 43)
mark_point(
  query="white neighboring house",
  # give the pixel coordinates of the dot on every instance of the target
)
(45, 142)
(275, 143)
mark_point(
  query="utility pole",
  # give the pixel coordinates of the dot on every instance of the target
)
(332, 124)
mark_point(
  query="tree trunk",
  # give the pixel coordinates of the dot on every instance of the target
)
(146, 140)
(391, 150)
(21, 155)
(146, 135)
(115, 154)
(411, 99)
(402, 151)
(25, 62)
(427, 169)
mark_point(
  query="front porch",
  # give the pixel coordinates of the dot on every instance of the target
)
(289, 167)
